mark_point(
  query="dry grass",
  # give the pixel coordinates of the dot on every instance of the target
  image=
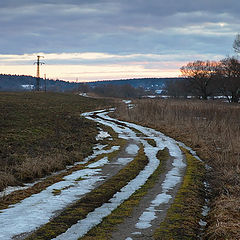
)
(213, 129)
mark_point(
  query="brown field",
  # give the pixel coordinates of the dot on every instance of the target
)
(213, 130)
(41, 133)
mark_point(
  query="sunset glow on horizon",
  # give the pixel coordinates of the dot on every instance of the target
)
(85, 67)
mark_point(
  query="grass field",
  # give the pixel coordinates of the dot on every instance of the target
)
(213, 130)
(43, 132)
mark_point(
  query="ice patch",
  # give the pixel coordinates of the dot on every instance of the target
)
(101, 135)
(11, 189)
(202, 223)
(160, 199)
(99, 163)
(127, 101)
(99, 152)
(123, 161)
(136, 233)
(132, 149)
(99, 147)
(145, 220)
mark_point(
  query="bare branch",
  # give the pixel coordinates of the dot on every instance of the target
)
(236, 44)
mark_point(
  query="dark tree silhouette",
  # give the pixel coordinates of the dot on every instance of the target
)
(236, 44)
(200, 76)
(228, 74)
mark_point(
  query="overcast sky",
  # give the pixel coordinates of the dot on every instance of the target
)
(112, 39)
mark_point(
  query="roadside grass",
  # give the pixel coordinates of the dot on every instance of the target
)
(151, 142)
(19, 195)
(212, 129)
(42, 133)
(105, 229)
(79, 210)
(183, 216)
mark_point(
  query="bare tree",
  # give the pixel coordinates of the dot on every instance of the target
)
(201, 77)
(229, 75)
(236, 44)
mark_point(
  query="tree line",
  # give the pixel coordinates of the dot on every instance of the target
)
(204, 79)
(111, 90)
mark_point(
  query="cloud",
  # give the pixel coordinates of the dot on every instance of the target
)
(100, 32)
(109, 26)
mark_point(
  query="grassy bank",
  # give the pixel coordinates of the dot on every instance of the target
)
(213, 130)
(43, 132)
(182, 220)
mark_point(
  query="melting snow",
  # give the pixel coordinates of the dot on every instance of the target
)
(123, 161)
(10, 189)
(127, 101)
(132, 149)
(99, 163)
(37, 209)
(136, 233)
(102, 135)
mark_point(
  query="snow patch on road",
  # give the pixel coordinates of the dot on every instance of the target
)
(123, 161)
(99, 163)
(132, 149)
(97, 153)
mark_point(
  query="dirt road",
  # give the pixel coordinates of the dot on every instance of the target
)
(34, 212)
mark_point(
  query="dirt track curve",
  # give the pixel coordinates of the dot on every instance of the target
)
(21, 219)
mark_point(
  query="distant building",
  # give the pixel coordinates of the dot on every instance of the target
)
(27, 87)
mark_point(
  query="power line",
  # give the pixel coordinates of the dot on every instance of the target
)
(38, 72)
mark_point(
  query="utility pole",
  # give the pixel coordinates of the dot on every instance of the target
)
(38, 72)
(45, 83)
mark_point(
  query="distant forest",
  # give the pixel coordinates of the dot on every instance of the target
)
(27, 83)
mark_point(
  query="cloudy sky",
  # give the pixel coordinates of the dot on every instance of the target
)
(113, 39)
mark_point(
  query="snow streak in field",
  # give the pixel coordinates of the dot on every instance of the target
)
(37, 209)
(101, 135)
